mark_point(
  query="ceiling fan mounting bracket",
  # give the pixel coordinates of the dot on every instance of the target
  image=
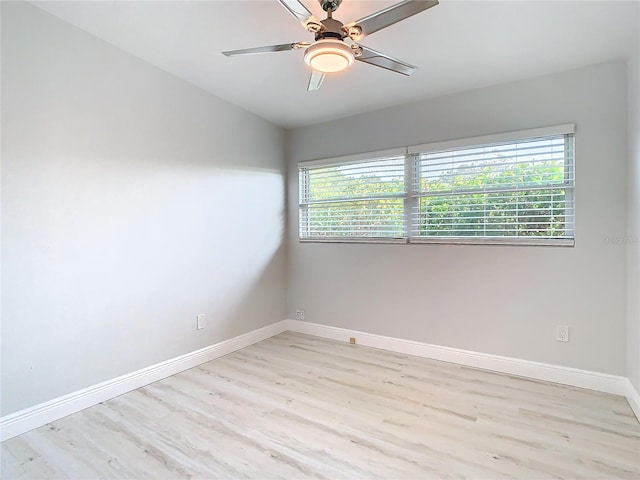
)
(357, 50)
(354, 32)
(330, 5)
(299, 45)
(312, 26)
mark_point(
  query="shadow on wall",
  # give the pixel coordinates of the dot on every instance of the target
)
(131, 202)
(105, 270)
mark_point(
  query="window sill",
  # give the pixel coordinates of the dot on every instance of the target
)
(353, 240)
(507, 241)
(510, 241)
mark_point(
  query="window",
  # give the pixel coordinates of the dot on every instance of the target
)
(354, 199)
(514, 188)
(520, 189)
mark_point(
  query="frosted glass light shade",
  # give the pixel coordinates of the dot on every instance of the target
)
(328, 56)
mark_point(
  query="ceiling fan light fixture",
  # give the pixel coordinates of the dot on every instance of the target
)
(329, 56)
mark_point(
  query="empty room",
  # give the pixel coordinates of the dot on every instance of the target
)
(329, 239)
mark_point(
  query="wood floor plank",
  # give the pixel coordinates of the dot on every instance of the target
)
(297, 406)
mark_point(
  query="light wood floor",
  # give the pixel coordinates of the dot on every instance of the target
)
(296, 406)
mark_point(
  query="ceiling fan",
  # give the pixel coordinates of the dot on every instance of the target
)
(329, 53)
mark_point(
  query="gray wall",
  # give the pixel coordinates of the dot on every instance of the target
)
(496, 299)
(131, 201)
(633, 237)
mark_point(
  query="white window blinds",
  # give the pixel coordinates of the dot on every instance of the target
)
(353, 199)
(513, 188)
(510, 189)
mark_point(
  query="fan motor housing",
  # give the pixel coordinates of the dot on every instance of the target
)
(331, 28)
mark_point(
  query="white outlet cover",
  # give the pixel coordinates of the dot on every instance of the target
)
(562, 333)
(201, 321)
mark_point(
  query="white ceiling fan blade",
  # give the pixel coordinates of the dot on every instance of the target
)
(393, 14)
(373, 57)
(268, 49)
(315, 81)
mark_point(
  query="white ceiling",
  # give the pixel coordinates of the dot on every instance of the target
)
(458, 45)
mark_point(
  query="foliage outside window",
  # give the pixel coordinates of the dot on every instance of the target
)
(513, 188)
(357, 199)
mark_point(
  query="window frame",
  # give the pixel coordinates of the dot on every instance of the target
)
(412, 198)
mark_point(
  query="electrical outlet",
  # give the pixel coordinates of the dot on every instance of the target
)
(299, 314)
(201, 321)
(562, 333)
(352, 340)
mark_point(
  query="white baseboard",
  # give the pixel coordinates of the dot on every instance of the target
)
(38, 415)
(633, 397)
(601, 382)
